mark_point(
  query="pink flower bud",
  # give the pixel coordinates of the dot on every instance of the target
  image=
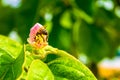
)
(38, 36)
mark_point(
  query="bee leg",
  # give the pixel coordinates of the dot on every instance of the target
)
(42, 38)
(47, 38)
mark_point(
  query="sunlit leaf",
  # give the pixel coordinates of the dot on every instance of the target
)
(11, 59)
(10, 46)
(39, 71)
(65, 66)
(5, 61)
(10, 68)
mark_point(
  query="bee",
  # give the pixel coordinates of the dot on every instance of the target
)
(38, 36)
(42, 33)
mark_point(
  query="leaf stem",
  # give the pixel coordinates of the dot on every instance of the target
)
(52, 50)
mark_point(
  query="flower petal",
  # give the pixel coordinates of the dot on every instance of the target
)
(37, 40)
(34, 30)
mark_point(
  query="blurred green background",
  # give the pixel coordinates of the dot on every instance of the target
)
(87, 29)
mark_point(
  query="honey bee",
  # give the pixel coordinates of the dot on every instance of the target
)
(42, 33)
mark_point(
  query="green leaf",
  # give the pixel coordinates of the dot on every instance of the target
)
(60, 78)
(10, 46)
(11, 59)
(64, 66)
(10, 68)
(5, 61)
(70, 69)
(39, 71)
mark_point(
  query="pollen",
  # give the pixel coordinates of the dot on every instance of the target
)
(38, 36)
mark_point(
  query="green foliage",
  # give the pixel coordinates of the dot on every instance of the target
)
(77, 26)
(61, 67)
(12, 47)
(62, 64)
(42, 64)
(10, 64)
(88, 5)
(39, 71)
(59, 62)
(97, 42)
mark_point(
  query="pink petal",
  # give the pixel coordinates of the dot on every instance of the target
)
(34, 30)
(32, 35)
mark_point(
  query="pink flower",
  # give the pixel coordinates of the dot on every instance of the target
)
(38, 36)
